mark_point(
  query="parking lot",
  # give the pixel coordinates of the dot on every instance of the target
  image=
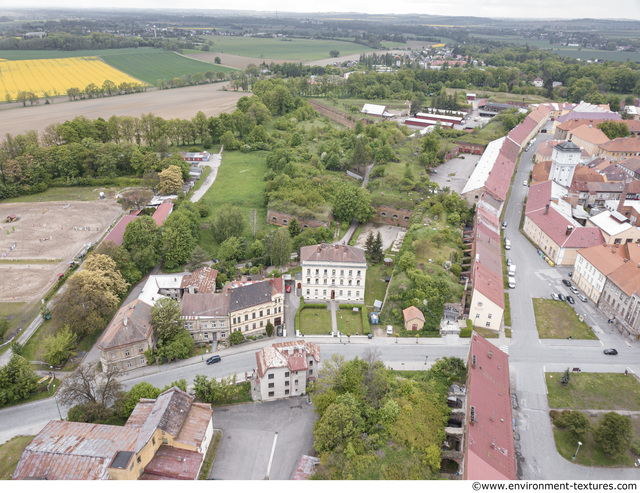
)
(249, 432)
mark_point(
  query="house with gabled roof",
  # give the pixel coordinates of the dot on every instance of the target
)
(285, 369)
(127, 337)
(413, 318)
(489, 440)
(164, 438)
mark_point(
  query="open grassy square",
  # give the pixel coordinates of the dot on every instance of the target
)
(10, 453)
(315, 321)
(558, 320)
(599, 391)
(375, 286)
(350, 322)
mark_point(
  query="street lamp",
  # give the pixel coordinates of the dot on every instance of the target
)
(576, 454)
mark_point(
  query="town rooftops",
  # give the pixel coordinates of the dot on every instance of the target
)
(566, 146)
(150, 293)
(173, 463)
(291, 354)
(411, 313)
(250, 295)
(162, 211)
(117, 233)
(375, 110)
(484, 166)
(131, 324)
(622, 144)
(332, 253)
(588, 115)
(605, 258)
(489, 283)
(564, 232)
(490, 445)
(202, 280)
(608, 222)
(632, 164)
(205, 305)
(590, 134)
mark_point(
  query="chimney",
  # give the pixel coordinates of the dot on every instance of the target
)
(569, 230)
(546, 209)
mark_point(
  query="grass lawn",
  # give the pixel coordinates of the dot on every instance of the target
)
(12, 311)
(32, 349)
(161, 65)
(61, 194)
(487, 333)
(375, 287)
(10, 453)
(558, 320)
(283, 48)
(315, 321)
(40, 54)
(350, 322)
(590, 453)
(608, 391)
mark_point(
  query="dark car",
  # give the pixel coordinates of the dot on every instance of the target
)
(370, 335)
(214, 359)
(566, 283)
(570, 299)
(561, 296)
(570, 273)
(610, 351)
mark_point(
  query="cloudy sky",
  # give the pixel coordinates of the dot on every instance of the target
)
(599, 9)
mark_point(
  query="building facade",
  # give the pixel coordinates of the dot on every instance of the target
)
(564, 159)
(333, 272)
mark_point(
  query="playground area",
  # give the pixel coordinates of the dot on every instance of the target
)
(40, 240)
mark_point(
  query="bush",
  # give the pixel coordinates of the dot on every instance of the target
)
(635, 447)
(236, 337)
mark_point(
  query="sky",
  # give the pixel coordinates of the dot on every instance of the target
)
(556, 9)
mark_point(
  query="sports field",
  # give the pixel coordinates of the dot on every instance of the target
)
(160, 65)
(56, 75)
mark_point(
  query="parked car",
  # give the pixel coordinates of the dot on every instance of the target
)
(561, 296)
(370, 335)
(610, 351)
(582, 298)
(214, 359)
(570, 273)
(554, 297)
(571, 300)
(507, 244)
(288, 289)
(390, 329)
(525, 183)
(574, 290)
(508, 262)
(504, 224)
(566, 283)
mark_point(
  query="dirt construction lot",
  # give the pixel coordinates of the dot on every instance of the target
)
(46, 230)
(388, 234)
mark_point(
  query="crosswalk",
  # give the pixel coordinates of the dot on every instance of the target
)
(504, 349)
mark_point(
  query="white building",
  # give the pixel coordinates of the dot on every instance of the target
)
(564, 159)
(284, 369)
(333, 272)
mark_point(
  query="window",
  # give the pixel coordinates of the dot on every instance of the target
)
(254, 325)
(286, 374)
(138, 459)
(246, 327)
(479, 303)
(308, 272)
(349, 293)
(253, 315)
(261, 322)
(325, 281)
(488, 324)
(260, 313)
(324, 292)
(489, 316)
(358, 282)
(246, 317)
(333, 272)
(270, 376)
(272, 385)
(206, 335)
(286, 383)
(358, 273)
(308, 280)
(213, 324)
(222, 324)
(271, 394)
(269, 309)
(350, 272)
(308, 292)
(315, 292)
(325, 272)
(286, 391)
(204, 325)
(153, 440)
(477, 315)
(295, 382)
(311, 363)
(317, 272)
(310, 372)
(140, 349)
(126, 352)
(143, 361)
(349, 282)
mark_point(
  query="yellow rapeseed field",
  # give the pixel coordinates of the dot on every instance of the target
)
(56, 75)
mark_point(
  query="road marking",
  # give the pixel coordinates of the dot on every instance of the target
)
(273, 449)
(504, 349)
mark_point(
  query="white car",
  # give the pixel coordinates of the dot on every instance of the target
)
(525, 183)
(390, 330)
(554, 296)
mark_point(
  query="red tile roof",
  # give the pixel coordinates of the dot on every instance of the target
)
(490, 445)
(523, 131)
(117, 233)
(332, 253)
(292, 355)
(203, 280)
(131, 324)
(173, 463)
(162, 211)
(412, 312)
(499, 178)
(489, 283)
(555, 226)
(622, 144)
(539, 196)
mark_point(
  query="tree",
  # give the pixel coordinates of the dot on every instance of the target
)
(224, 392)
(340, 423)
(578, 424)
(614, 433)
(198, 259)
(142, 240)
(360, 155)
(345, 203)
(170, 180)
(178, 243)
(368, 247)
(165, 319)
(269, 329)
(565, 378)
(613, 129)
(180, 347)
(334, 53)
(128, 401)
(236, 337)
(218, 61)
(87, 384)
(231, 250)
(278, 247)
(229, 221)
(377, 253)
(4, 327)
(17, 380)
(294, 228)
(58, 348)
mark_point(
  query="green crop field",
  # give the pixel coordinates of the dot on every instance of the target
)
(284, 48)
(160, 65)
(40, 54)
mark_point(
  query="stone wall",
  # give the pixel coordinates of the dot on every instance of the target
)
(281, 219)
(389, 215)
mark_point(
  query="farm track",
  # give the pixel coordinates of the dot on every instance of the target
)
(332, 114)
(172, 103)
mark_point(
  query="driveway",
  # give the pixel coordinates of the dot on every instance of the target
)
(215, 160)
(252, 432)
